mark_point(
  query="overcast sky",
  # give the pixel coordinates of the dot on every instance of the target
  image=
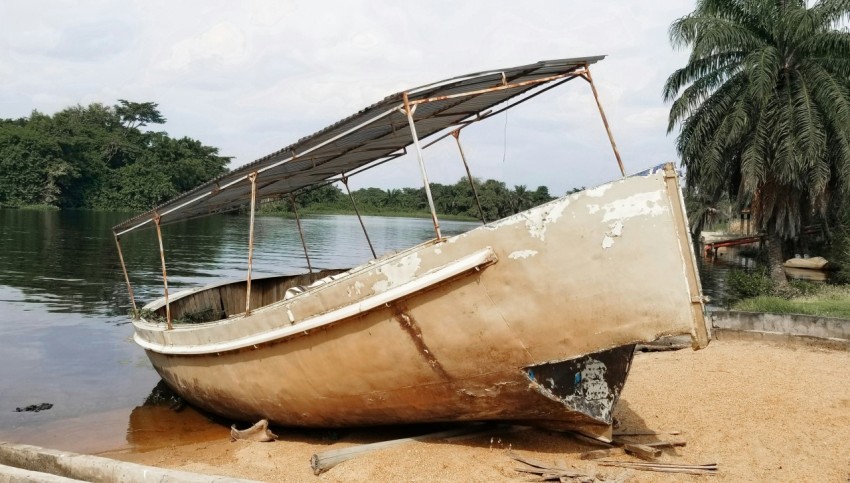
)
(251, 77)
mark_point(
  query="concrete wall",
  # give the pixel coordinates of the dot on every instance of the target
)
(832, 331)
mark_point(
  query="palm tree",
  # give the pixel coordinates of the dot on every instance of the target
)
(764, 108)
(521, 198)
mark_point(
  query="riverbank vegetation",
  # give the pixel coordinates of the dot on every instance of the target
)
(756, 291)
(455, 200)
(98, 157)
(762, 110)
(819, 300)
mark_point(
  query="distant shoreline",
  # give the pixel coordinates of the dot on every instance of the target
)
(304, 212)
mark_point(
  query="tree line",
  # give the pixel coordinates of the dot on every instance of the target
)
(98, 157)
(496, 198)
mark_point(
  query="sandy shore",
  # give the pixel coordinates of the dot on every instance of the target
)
(761, 411)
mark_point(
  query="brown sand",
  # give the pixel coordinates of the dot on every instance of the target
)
(761, 411)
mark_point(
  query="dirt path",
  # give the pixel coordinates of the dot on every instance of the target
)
(761, 411)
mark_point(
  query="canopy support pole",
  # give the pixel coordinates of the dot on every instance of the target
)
(126, 276)
(354, 203)
(156, 220)
(589, 79)
(409, 111)
(253, 178)
(301, 232)
(456, 134)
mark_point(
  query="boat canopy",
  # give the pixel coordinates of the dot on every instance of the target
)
(374, 135)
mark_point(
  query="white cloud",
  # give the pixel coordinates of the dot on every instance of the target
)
(220, 47)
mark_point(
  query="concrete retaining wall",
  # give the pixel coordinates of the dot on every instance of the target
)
(831, 331)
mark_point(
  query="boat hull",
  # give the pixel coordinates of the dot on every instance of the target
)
(532, 318)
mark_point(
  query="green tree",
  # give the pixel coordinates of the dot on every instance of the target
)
(95, 157)
(138, 114)
(764, 109)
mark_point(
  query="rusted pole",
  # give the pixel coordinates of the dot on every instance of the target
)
(354, 203)
(253, 178)
(126, 276)
(409, 111)
(589, 79)
(156, 220)
(301, 232)
(456, 134)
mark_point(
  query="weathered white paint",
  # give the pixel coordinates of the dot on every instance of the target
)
(537, 220)
(519, 254)
(598, 191)
(639, 204)
(398, 273)
(615, 231)
(616, 228)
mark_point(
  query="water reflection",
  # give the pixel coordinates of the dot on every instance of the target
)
(162, 420)
(63, 303)
(713, 271)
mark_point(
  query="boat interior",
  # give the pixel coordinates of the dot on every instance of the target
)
(221, 301)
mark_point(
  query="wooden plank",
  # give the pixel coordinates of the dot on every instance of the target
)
(645, 433)
(642, 451)
(602, 453)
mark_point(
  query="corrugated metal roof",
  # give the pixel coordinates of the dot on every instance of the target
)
(365, 139)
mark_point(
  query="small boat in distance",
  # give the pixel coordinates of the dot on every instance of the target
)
(532, 318)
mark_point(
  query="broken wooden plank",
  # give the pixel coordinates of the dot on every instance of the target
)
(642, 451)
(706, 469)
(648, 433)
(328, 459)
(667, 444)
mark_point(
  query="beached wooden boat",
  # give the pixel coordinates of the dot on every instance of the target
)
(532, 318)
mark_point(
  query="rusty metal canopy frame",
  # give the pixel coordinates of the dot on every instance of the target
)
(370, 137)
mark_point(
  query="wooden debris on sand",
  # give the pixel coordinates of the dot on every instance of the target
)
(328, 459)
(647, 451)
(704, 469)
(550, 472)
(258, 432)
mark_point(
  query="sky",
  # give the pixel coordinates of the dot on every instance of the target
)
(251, 77)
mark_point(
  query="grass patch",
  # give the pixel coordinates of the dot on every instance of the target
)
(827, 301)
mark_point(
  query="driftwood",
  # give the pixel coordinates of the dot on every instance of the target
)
(328, 459)
(41, 463)
(258, 432)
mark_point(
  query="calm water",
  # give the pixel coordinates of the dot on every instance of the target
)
(64, 332)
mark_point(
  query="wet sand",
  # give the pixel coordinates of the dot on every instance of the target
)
(760, 410)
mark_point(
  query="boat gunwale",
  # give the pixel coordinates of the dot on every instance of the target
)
(467, 263)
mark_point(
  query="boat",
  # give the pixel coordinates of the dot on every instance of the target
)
(532, 318)
(809, 263)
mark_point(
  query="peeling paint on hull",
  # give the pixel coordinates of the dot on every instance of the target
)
(459, 323)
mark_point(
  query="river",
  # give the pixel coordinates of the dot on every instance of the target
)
(65, 337)
(64, 332)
